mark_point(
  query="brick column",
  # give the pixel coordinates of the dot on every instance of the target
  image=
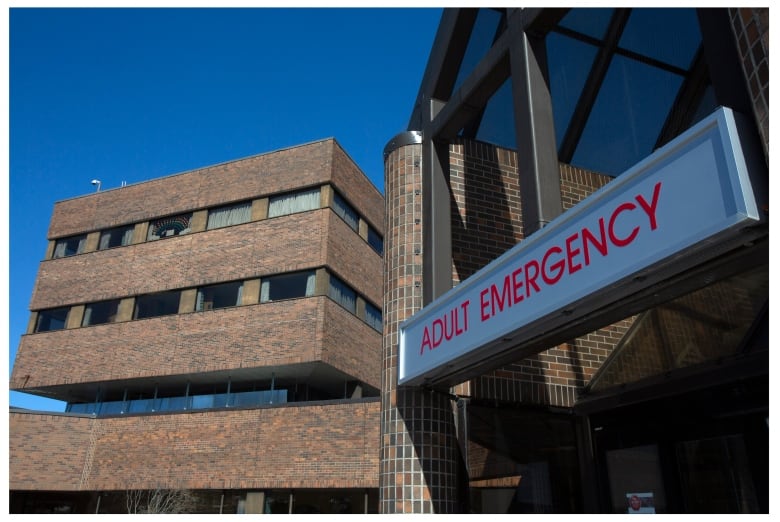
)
(420, 461)
(751, 30)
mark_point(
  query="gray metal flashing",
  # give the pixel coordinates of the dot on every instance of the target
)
(403, 139)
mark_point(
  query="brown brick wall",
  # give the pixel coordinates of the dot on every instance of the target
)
(357, 189)
(751, 30)
(47, 452)
(302, 446)
(351, 345)
(486, 214)
(279, 171)
(353, 260)
(253, 249)
(486, 222)
(284, 332)
(419, 452)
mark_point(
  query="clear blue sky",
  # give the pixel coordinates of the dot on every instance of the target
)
(135, 94)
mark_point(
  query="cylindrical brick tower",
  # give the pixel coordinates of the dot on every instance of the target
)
(420, 461)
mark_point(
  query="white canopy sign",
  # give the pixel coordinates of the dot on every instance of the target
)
(690, 191)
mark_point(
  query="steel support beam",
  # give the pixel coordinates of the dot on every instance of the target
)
(537, 156)
(440, 120)
(437, 226)
(443, 65)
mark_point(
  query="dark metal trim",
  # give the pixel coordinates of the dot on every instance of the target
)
(537, 157)
(402, 139)
(437, 227)
(470, 99)
(449, 46)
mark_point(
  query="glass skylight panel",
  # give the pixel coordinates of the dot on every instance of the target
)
(592, 22)
(569, 62)
(480, 42)
(627, 117)
(670, 35)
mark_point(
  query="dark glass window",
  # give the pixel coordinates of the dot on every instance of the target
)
(612, 111)
(230, 215)
(627, 116)
(342, 294)
(345, 211)
(119, 236)
(591, 21)
(376, 241)
(154, 305)
(69, 246)
(219, 296)
(373, 317)
(100, 313)
(54, 319)
(569, 61)
(169, 227)
(680, 30)
(287, 286)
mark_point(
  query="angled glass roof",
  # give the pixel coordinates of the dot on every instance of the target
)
(702, 327)
(617, 80)
(567, 82)
(668, 35)
(483, 34)
(627, 117)
(591, 22)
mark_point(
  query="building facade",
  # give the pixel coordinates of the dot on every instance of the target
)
(650, 394)
(251, 370)
(216, 332)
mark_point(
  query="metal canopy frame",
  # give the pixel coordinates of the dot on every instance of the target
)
(518, 52)
(441, 114)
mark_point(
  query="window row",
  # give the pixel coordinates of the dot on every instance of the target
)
(181, 403)
(224, 216)
(173, 397)
(223, 295)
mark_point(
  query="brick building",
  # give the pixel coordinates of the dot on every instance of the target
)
(649, 394)
(215, 331)
(652, 388)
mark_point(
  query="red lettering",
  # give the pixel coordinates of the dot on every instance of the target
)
(556, 262)
(449, 332)
(587, 236)
(530, 280)
(570, 253)
(465, 307)
(557, 267)
(426, 341)
(652, 207)
(621, 242)
(517, 285)
(483, 304)
(500, 299)
(438, 339)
